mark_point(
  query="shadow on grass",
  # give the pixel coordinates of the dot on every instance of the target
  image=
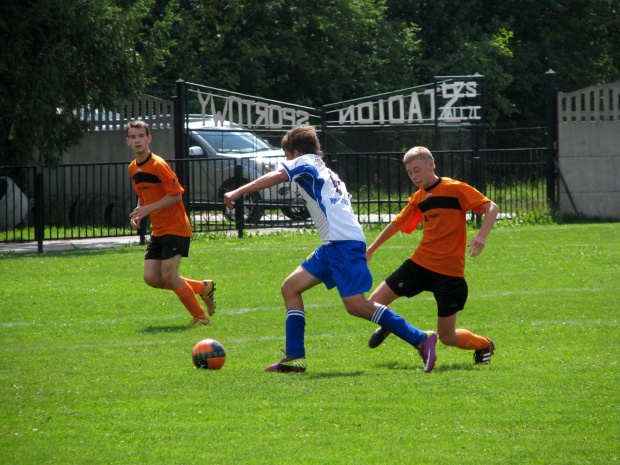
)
(163, 329)
(439, 367)
(332, 375)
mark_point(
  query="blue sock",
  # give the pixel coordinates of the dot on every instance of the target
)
(295, 326)
(385, 317)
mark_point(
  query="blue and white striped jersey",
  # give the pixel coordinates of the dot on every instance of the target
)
(327, 199)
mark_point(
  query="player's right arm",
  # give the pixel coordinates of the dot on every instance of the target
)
(387, 233)
(135, 222)
(265, 181)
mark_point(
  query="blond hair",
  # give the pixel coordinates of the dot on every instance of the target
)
(418, 153)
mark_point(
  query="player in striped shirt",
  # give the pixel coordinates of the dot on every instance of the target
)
(160, 198)
(438, 264)
(339, 262)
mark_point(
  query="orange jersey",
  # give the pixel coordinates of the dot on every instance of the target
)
(152, 180)
(442, 207)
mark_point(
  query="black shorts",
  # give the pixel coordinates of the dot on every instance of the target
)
(410, 279)
(167, 246)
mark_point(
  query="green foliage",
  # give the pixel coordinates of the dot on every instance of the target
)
(529, 218)
(513, 43)
(306, 52)
(96, 366)
(61, 56)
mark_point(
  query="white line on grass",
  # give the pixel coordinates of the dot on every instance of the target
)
(178, 341)
(245, 310)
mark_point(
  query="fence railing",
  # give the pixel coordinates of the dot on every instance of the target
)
(94, 200)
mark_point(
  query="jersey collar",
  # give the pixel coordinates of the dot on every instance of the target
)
(146, 160)
(433, 186)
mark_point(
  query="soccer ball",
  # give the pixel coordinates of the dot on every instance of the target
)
(209, 354)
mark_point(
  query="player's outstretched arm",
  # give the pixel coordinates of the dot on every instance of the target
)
(265, 181)
(387, 233)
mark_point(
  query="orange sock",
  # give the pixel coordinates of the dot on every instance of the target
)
(188, 298)
(197, 286)
(470, 341)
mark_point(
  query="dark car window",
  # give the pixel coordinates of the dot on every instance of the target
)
(232, 141)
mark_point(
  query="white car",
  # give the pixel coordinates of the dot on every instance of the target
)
(214, 150)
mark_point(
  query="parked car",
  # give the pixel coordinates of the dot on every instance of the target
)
(214, 150)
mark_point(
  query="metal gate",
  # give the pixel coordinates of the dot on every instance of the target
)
(225, 139)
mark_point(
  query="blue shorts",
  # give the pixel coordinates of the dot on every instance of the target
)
(341, 264)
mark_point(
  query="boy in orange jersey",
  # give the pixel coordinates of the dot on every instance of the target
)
(160, 198)
(438, 264)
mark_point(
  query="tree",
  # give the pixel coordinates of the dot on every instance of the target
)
(513, 43)
(61, 56)
(308, 52)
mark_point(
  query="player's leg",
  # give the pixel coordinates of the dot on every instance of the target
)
(483, 347)
(152, 263)
(407, 280)
(383, 295)
(353, 278)
(446, 329)
(391, 322)
(170, 274)
(451, 295)
(205, 289)
(293, 287)
(296, 284)
(152, 274)
(174, 248)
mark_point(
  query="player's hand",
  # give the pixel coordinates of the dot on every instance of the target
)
(136, 216)
(475, 246)
(229, 198)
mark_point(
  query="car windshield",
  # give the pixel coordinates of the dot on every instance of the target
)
(233, 141)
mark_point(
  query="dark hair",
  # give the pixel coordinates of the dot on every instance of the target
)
(137, 124)
(304, 139)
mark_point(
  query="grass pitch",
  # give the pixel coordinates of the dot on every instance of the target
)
(95, 367)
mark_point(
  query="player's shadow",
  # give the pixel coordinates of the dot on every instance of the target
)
(163, 329)
(334, 374)
(399, 365)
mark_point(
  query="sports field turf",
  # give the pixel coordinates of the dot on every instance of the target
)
(95, 367)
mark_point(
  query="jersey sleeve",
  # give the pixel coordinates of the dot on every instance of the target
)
(471, 198)
(287, 170)
(298, 167)
(408, 219)
(169, 179)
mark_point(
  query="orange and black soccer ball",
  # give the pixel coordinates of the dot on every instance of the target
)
(209, 354)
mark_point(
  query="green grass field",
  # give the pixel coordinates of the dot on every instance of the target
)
(95, 367)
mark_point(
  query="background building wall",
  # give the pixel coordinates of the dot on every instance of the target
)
(589, 150)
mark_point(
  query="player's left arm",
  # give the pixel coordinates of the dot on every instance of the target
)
(476, 245)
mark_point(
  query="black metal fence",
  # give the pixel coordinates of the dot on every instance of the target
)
(94, 200)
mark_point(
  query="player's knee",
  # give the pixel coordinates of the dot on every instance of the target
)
(286, 289)
(359, 308)
(152, 281)
(448, 338)
(352, 310)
